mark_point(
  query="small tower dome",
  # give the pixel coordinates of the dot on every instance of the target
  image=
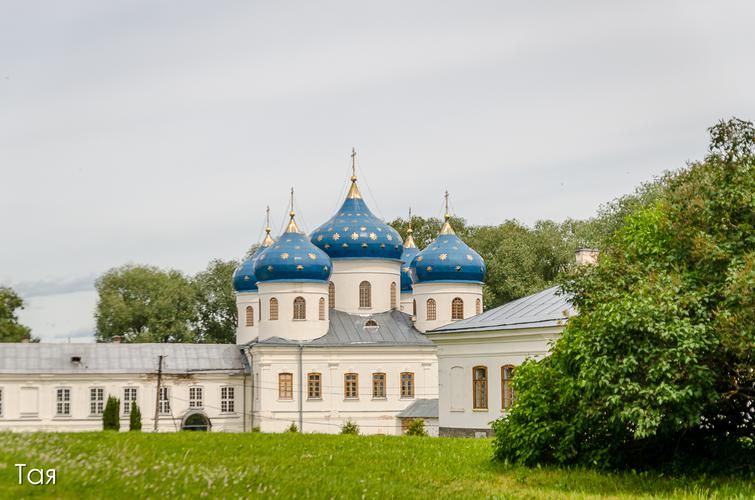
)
(410, 251)
(244, 279)
(292, 258)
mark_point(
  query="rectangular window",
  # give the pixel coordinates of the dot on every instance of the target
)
(63, 402)
(129, 397)
(480, 388)
(507, 387)
(314, 386)
(164, 407)
(195, 397)
(227, 400)
(407, 385)
(351, 386)
(96, 400)
(285, 386)
(378, 385)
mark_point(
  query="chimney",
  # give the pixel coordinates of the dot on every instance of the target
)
(116, 339)
(585, 256)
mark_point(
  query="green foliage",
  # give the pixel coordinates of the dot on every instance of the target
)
(416, 428)
(657, 369)
(10, 329)
(145, 304)
(220, 465)
(293, 427)
(135, 418)
(350, 427)
(215, 303)
(110, 419)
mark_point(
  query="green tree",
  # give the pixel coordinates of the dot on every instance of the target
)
(658, 367)
(135, 418)
(216, 303)
(10, 329)
(350, 427)
(416, 428)
(110, 418)
(145, 304)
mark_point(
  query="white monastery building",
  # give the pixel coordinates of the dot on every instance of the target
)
(349, 323)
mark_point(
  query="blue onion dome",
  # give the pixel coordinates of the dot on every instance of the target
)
(447, 258)
(292, 258)
(244, 279)
(356, 233)
(410, 251)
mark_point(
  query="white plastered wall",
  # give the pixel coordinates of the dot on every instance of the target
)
(286, 326)
(443, 293)
(245, 334)
(349, 273)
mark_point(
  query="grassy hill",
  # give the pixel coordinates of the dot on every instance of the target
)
(139, 465)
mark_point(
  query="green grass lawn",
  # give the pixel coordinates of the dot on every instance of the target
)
(194, 464)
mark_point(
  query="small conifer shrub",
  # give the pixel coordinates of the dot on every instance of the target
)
(416, 428)
(110, 419)
(350, 427)
(135, 418)
(292, 427)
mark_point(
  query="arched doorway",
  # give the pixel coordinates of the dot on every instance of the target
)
(196, 422)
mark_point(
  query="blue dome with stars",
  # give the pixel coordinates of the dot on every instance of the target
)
(410, 251)
(292, 258)
(244, 279)
(355, 233)
(447, 259)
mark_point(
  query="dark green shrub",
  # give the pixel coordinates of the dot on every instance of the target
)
(416, 428)
(350, 427)
(135, 418)
(111, 421)
(292, 427)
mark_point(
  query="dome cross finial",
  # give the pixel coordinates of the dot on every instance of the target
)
(292, 227)
(446, 228)
(267, 240)
(409, 242)
(354, 190)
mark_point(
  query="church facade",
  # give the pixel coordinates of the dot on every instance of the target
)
(348, 324)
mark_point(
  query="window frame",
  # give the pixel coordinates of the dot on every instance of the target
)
(63, 404)
(431, 313)
(96, 405)
(285, 386)
(163, 404)
(507, 388)
(273, 309)
(126, 404)
(249, 316)
(300, 309)
(227, 399)
(314, 386)
(354, 385)
(331, 295)
(478, 306)
(394, 300)
(196, 395)
(321, 308)
(365, 295)
(483, 386)
(407, 385)
(457, 309)
(383, 384)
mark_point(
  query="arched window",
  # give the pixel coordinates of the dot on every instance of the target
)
(393, 295)
(477, 306)
(365, 294)
(507, 386)
(457, 308)
(322, 309)
(371, 325)
(414, 308)
(273, 308)
(480, 387)
(430, 309)
(331, 295)
(300, 308)
(249, 316)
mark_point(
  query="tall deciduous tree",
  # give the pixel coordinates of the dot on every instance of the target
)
(145, 304)
(216, 303)
(659, 365)
(10, 328)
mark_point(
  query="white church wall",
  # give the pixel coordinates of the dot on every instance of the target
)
(349, 273)
(29, 401)
(443, 293)
(459, 353)
(407, 303)
(244, 332)
(286, 326)
(327, 414)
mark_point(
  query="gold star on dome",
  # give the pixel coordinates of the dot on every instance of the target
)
(470, 258)
(373, 236)
(419, 259)
(382, 245)
(270, 268)
(299, 267)
(458, 268)
(364, 245)
(326, 246)
(345, 228)
(354, 236)
(405, 269)
(429, 268)
(345, 245)
(389, 237)
(443, 256)
(319, 238)
(363, 229)
(336, 237)
(284, 256)
(312, 256)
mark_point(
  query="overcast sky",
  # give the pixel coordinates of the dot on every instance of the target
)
(156, 132)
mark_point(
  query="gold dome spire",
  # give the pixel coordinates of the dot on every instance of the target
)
(409, 241)
(292, 227)
(267, 240)
(446, 228)
(354, 190)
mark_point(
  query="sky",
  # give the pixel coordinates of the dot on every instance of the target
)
(157, 132)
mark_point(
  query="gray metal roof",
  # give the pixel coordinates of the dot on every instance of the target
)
(547, 308)
(120, 358)
(421, 408)
(394, 328)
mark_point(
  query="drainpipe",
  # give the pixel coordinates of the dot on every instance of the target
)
(301, 390)
(243, 408)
